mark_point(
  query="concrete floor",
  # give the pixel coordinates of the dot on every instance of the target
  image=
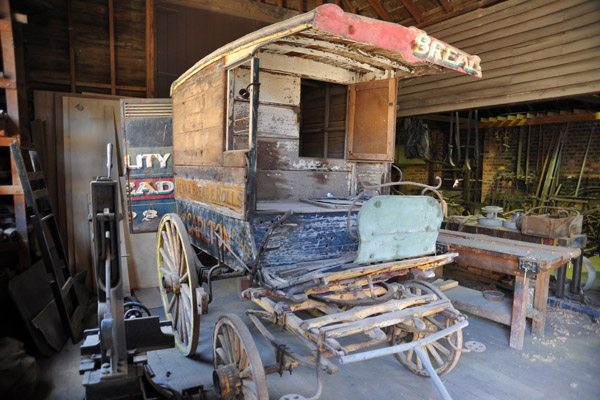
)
(562, 365)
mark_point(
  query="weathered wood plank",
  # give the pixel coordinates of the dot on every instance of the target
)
(494, 36)
(540, 301)
(516, 15)
(525, 96)
(472, 19)
(472, 301)
(235, 158)
(212, 193)
(273, 121)
(255, 10)
(561, 43)
(306, 68)
(535, 58)
(288, 185)
(227, 175)
(576, 75)
(514, 63)
(518, 320)
(275, 87)
(282, 154)
(199, 148)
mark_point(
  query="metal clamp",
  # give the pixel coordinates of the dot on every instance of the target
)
(528, 264)
(441, 248)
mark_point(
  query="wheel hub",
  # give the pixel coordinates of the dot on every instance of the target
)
(171, 283)
(227, 381)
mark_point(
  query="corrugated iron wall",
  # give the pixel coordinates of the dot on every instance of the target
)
(530, 50)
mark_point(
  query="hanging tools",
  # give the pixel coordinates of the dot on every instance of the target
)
(457, 137)
(587, 150)
(476, 139)
(520, 154)
(466, 165)
(450, 140)
(527, 156)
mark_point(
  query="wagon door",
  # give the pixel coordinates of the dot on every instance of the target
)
(372, 121)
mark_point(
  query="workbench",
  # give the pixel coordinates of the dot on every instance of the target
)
(470, 224)
(520, 259)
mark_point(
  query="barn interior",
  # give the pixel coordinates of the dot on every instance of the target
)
(249, 111)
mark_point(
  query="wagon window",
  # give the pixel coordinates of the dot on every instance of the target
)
(238, 109)
(323, 119)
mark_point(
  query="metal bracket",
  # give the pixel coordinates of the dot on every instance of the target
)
(441, 248)
(529, 265)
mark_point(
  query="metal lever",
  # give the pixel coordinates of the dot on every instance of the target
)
(108, 159)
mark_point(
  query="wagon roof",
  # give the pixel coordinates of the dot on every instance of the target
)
(364, 45)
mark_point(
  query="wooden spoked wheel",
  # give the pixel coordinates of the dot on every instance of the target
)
(239, 371)
(177, 281)
(443, 353)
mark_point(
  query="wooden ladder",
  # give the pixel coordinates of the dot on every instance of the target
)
(14, 189)
(16, 112)
(47, 234)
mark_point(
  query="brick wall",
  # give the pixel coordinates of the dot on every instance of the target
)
(501, 150)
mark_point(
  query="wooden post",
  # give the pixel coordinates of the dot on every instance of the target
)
(519, 311)
(149, 48)
(111, 27)
(71, 48)
(540, 302)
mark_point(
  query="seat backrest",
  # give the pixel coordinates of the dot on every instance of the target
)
(396, 227)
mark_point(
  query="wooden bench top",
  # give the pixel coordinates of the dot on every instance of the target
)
(502, 255)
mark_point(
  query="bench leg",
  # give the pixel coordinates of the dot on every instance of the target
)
(540, 302)
(519, 311)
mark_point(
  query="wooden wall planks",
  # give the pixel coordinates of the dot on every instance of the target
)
(530, 50)
(50, 43)
(49, 109)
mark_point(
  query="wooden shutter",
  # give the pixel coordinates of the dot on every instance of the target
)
(372, 120)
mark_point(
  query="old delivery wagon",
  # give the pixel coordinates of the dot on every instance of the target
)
(283, 144)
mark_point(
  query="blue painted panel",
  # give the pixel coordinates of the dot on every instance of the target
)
(145, 216)
(148, 160)
(202, 223)
(319, 236)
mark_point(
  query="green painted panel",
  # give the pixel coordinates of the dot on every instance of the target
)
(396, 227)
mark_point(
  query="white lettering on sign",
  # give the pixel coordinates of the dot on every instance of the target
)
(149, 188)
(438, 52)
(143, 161)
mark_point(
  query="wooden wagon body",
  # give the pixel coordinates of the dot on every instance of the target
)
(283, 143)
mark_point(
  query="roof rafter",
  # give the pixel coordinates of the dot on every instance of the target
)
(447, 6)
(377, 61)
(380, 10)
(412, 10)
(343, 61)
(348, 6)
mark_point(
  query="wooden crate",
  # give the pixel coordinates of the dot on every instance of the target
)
(551, 226)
